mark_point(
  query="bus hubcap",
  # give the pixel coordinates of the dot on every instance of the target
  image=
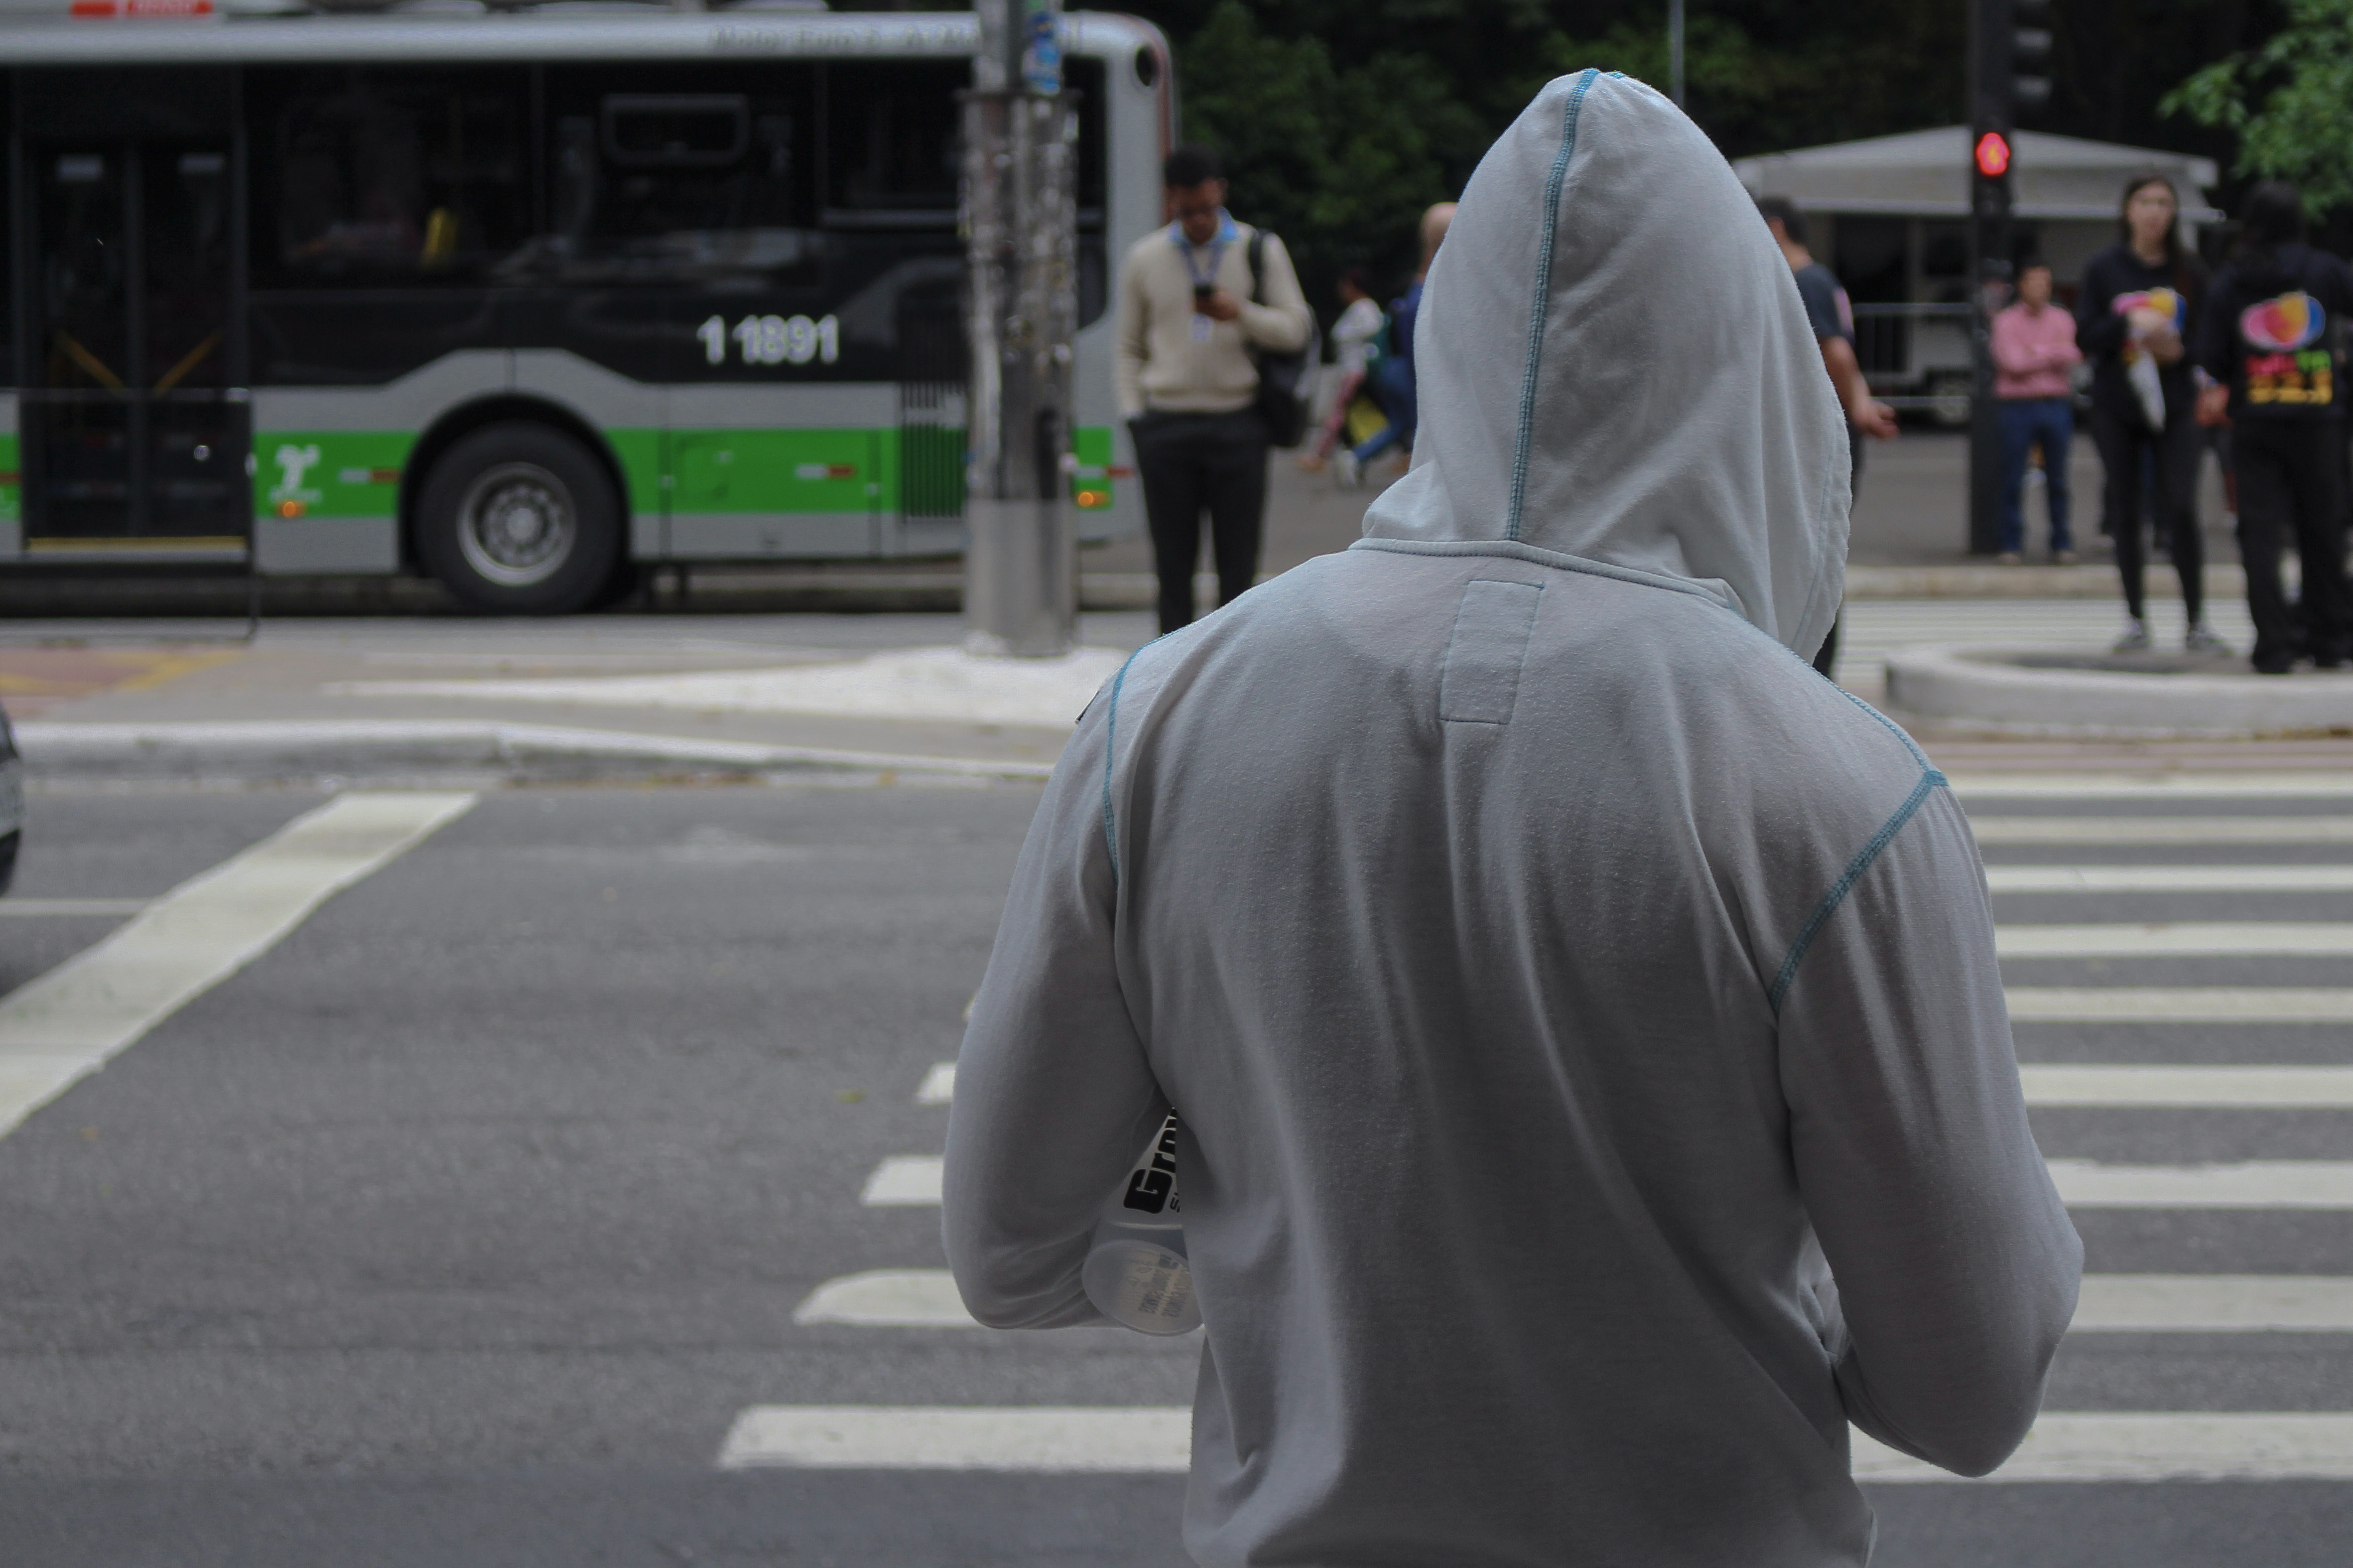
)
(516, 527)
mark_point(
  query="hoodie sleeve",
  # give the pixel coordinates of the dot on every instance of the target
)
(2216, 329)
(1053, 1097)
(1955, 1264)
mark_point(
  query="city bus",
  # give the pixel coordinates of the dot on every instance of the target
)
(524, 299)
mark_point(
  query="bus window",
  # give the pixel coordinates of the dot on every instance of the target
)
(891, 144)
(407, 175)
(666, 186)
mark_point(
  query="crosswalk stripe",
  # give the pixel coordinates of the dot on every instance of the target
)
(2110, 1303)
(2249, 1184)
(915, 1180)
(939, 1084)
(2180, 1005)
(2302, 830)
(961, 1437)
(2149, 787)
(2114, 1086)
(2214, 1303)
(2185, 939)
(2170, 878)
(888, 1298)
(903, 1181)
(2065, 1446)
(70, 1021)
(2136, 1445)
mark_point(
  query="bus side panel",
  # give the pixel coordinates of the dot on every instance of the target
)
(12, 513)
(330, 461)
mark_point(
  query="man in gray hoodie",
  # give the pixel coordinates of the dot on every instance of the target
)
(1595, 1083)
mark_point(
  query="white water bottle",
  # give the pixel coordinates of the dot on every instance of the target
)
(1136, 1273)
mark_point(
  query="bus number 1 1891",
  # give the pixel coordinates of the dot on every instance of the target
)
(772, 340)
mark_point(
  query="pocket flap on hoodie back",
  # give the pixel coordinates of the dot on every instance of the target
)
(1481, 679)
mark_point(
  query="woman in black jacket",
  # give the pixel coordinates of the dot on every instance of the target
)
(2140, 307)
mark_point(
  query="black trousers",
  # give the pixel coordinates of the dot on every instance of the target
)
(1190, 462)
(2176, 449)
(2292, 488)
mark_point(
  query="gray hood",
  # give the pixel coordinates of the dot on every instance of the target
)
(1614, 365)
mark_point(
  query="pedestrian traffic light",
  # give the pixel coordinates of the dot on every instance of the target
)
(2005, 62)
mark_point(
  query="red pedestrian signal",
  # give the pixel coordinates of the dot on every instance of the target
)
(1993, 155)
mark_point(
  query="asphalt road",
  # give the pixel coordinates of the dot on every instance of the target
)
(459, 1227)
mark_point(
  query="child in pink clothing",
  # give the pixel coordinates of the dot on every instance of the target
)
(2033, 351)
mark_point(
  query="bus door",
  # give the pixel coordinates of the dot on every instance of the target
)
(135, 433)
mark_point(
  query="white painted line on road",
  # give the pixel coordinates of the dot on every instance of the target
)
(2199, 1088)
(2111, 1303)
(2180, 1005)
(63, 909)
(2185, 939)
(2250, 1184)
(961, 1437)
(2146, 786)
(913, 1180)
(2064, 1447)
(2168, 1446)
(2214, 1303)
(903, 1179)
(2162, 829)
(67, 1023)
(2170, 878)
(939, 1084)
(888, 1298)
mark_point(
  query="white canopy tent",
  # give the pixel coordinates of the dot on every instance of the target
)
(1925, 174)
(1887, 215)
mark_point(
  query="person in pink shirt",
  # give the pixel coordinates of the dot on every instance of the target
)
(2033, 349)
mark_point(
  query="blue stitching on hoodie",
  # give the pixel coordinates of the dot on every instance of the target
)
(1111, 754)
(1544, 301)
(1845, 884)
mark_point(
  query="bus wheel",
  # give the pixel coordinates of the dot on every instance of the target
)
(521, 519)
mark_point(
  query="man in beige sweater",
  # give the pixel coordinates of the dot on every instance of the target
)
(1192, 319)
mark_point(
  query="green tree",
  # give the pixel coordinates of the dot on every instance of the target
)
(2287, 101)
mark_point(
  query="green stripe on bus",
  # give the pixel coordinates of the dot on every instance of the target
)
(11, 480)
(358, 473)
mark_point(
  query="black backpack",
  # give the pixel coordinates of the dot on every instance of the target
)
(1284, 385)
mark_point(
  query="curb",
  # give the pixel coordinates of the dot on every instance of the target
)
(272, 751)
(1978, 686)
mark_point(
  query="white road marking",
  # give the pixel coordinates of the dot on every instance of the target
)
(2201, 1087)
(961, 1437)
(66, 1023)
(2138, 1446)
(69, 907)
(2111, 1303)
(2240, 938)
(913, 1180)
(939, 1084)
(888, 1298)
(2214, 1303)
(2180, 1005)
(2170, 878)
(2064, 1447)
(903, 1181)
(2162, 829)
(2149, 787)
(2250, 1184)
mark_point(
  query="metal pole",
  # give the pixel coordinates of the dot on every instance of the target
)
(1675, 51)
(1021, 235)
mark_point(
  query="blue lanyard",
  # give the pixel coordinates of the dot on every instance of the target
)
(1217, 248)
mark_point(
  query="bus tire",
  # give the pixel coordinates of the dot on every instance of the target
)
(520, 519)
